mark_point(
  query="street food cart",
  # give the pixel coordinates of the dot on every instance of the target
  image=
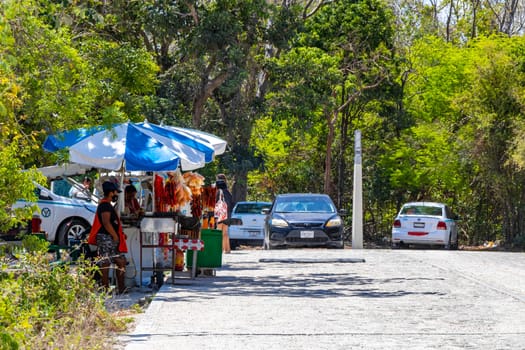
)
(159, 240)
(164, 152)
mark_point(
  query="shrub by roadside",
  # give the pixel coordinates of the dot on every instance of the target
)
(44, 305)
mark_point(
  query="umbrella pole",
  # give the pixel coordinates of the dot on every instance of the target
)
(153, 209)
(121, 198)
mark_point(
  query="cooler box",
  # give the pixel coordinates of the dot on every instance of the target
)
(211, 256)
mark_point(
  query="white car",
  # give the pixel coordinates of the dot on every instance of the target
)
(247, 223)
(427, 223)
(63, 218)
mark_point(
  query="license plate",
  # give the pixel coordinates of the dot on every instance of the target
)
(419, 224)
(307, 234)
(253, 233)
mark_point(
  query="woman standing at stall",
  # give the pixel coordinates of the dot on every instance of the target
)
(106, 233)
(131, 203)
(224, 196)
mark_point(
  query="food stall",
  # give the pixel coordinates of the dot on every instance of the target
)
(165, 152)
(159, 239)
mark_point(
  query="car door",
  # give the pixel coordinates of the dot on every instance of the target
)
(48, 211)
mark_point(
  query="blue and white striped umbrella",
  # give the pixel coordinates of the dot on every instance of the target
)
(138, 147)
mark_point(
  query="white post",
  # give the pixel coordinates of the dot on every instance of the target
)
(357, 210)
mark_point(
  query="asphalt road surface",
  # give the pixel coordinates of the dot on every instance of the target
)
(343, 299)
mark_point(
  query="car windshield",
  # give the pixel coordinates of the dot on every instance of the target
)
(421, 210)
(304, 204)
(251, 208)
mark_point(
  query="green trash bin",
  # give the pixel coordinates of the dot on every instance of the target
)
(211, 256)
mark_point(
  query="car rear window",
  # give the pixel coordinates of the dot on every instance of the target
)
(251, 208)
(422, 210)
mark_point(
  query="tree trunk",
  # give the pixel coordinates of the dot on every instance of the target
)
(206, 90)
(342, 160)
(239, 187)
(330, 119)
(475, 6)
(509, 15)
(449, 20)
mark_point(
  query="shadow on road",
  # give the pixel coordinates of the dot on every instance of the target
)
(314, 285)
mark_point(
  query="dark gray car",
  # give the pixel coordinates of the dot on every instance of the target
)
(303, 220)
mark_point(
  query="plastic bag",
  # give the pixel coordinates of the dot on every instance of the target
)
(221, 209)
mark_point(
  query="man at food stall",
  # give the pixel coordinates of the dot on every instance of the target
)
(106, 233)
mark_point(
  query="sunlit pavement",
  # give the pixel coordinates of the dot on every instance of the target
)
(362, 299)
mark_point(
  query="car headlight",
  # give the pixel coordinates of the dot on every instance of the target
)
(279, 222)
(334, 222)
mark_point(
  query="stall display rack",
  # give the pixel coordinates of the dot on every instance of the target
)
(162, 233)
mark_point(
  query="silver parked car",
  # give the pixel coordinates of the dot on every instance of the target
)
(425, 223)
(247, 223)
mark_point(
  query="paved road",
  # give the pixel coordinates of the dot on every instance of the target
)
(395, 299)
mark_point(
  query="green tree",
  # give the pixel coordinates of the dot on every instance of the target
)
(303, 84)
(15, 143)
(494, 103)
(207, 53)
(472, 96)
(339, 57)
(53, 81)
(67, 83)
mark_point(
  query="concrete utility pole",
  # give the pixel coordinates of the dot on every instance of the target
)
(357, 210)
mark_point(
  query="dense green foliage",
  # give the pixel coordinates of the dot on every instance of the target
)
(45, 307)
(437, 93)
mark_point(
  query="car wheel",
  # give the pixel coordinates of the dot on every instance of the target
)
(75, 229)
(340, 245)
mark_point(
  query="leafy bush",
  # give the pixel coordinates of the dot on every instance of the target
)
(48, 305)
(519, 241)
(15, 184)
